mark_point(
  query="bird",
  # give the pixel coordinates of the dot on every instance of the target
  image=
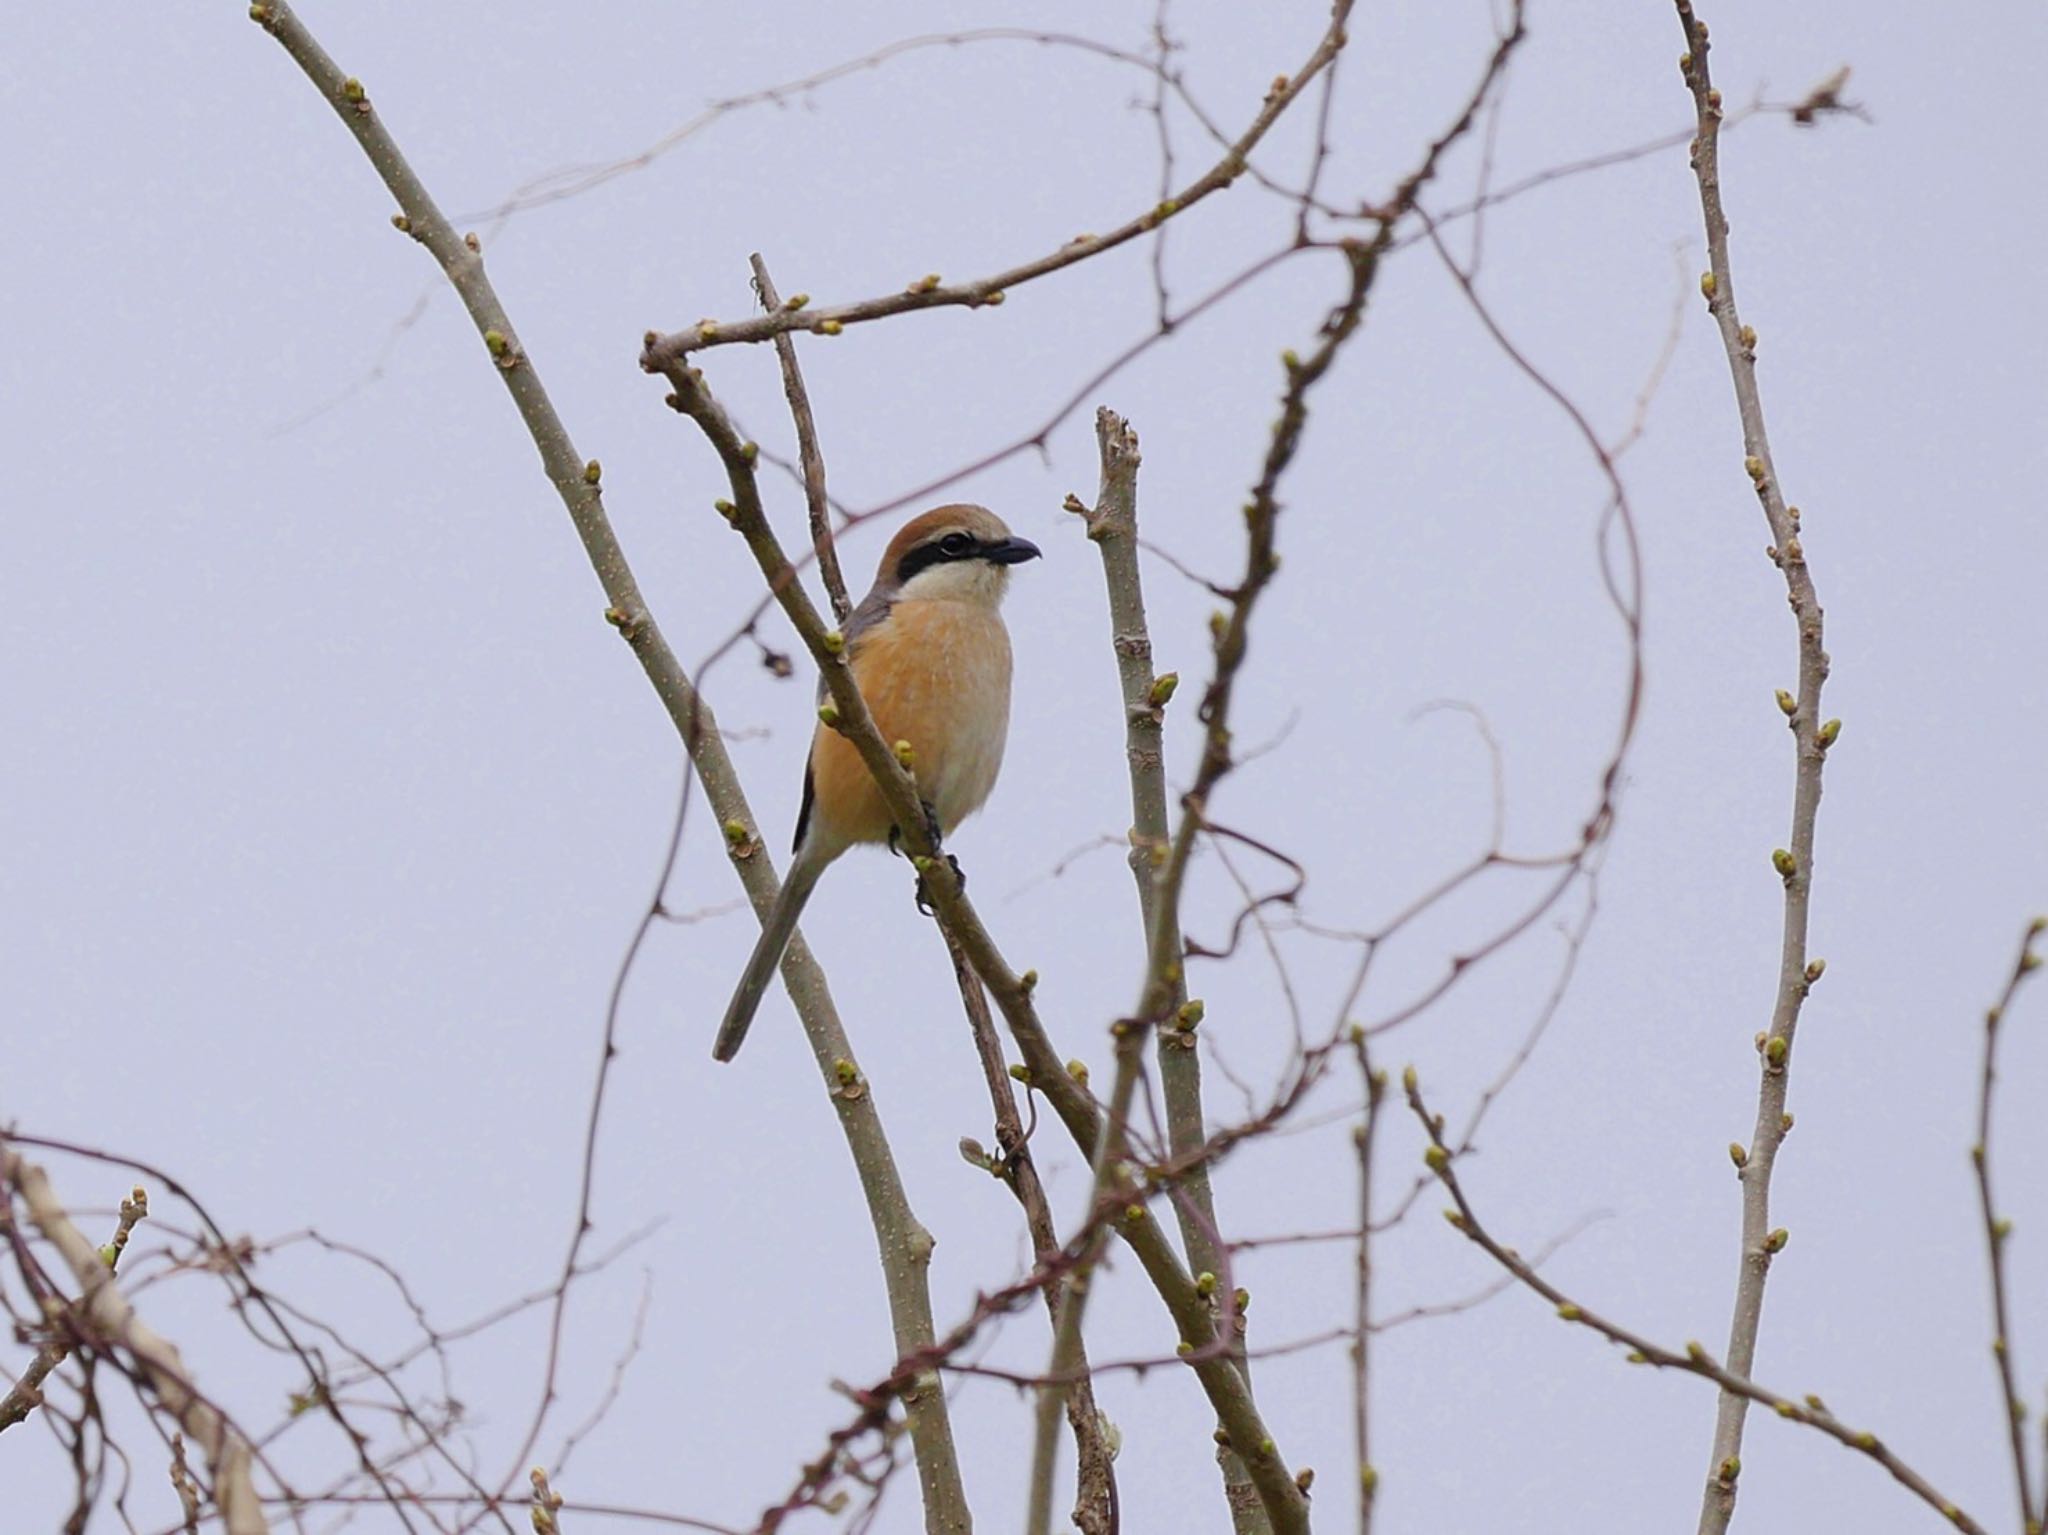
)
(931, 657)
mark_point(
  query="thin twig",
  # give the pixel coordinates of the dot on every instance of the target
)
(1810, 740)
(1108, 1187)
(108, 1321)
(809, 455)
(1112, 526)
(2012, 1407)
(1361, 1379)
(26, 1394)
(1095, 1473)
(1694, 1360)
(663, 351)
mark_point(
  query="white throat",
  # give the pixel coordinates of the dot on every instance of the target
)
(975, 581)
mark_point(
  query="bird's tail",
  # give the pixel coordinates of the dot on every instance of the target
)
(775, 935)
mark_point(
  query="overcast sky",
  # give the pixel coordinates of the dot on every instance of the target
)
(331, 803)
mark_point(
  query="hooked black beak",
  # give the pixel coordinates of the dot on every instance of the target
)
(1011, 551)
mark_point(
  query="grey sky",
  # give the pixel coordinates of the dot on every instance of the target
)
(330, 802)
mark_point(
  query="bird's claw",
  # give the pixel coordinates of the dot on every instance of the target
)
(923, 897)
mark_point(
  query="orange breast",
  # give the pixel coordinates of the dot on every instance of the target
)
(935, 674)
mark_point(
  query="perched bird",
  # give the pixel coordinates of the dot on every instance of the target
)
(931, 657)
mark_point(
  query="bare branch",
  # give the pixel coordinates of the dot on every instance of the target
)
(809, 455)
(1361, 1379)
(1095, 1478)
(108, 1321)
(26, 1394)
(1694, 1360)
(1227, 1390)
(1112, 526)
(928, 292)
(2012, 1407)
(1810, 739)
(904, 1244)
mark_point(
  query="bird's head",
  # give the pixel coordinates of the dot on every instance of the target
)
(955, 553)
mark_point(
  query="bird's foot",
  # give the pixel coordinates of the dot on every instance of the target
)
(923, 896)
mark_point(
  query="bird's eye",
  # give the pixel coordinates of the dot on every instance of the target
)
(955, 544)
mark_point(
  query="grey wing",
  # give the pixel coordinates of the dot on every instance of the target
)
(872, 610)
(803, 815)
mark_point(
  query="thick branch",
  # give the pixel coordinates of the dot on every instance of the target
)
(1810, 741)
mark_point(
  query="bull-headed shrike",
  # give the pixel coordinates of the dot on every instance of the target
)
(931, 657)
